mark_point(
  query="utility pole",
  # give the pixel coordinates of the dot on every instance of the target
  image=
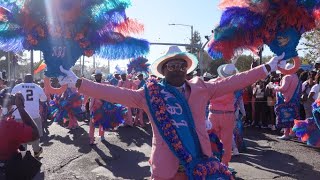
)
(9, 69)
(94, 62)
(31, 67)
(82, 66)
(186, 25)
(192, 42)
(108, 66)
(260, 53)
(208, 38)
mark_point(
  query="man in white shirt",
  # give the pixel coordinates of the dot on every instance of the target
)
(32, 94)
(314, 92)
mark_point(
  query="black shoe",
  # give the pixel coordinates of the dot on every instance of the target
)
(37, 154)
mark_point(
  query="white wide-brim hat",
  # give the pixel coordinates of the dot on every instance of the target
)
(96, 72)
(227, 70)
(192, 62)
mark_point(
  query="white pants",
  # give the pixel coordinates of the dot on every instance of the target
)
(35, 144)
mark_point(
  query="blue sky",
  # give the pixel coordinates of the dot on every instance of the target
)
(157, 14)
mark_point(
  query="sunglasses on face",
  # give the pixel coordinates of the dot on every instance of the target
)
(177, 67)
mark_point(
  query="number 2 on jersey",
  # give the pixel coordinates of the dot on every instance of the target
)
(29, 95)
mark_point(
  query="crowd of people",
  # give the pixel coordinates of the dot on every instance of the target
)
(132, 100)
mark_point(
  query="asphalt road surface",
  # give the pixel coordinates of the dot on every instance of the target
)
(125, 153)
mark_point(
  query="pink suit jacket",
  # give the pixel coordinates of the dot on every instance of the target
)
(288, 86)
(163, 162)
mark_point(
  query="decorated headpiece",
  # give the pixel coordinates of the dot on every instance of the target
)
(64, 30)
(248, 24)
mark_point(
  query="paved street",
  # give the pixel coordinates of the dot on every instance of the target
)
(125, 154)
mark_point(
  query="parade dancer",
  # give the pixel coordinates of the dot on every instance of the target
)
(309, 130)
(94, 104)
(222, 114)
(175, 108)
(104, 115)
(240, 114)
(127, 84)
(75, 101)
(139, 84)
(288, 103)
(66, 106)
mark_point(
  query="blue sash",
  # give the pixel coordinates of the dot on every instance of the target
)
(287, 112)
(173, 119)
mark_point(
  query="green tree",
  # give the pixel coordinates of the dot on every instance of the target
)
(214, 66)
(244, 63)
(196, 40)
(312, 45)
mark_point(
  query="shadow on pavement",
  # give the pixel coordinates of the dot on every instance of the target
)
(39, 176)
(136, 135)
(80, 139)
(123, 163)
(267, 159)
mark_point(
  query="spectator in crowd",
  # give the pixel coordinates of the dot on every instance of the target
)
(33, 94)
(12, 135)
(2, 83)
(260, 105)
(247, 97)
(317, 64)
(189, 76)
(18, 81)
(314, 92)
(307, 102)
(207, 76)
(302, 78)
(271, 100)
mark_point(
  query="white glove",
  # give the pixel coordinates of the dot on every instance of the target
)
(83, 108)
(70, 78)
(273, 63)
(208, 125)
(282, 64)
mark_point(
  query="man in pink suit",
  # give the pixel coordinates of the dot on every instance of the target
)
(128, 84)
(288, 89)
(165, 161)
(222, 113)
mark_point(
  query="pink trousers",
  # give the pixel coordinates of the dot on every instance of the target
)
(73, 122)
(128, 118)
(91, 131)
(223, 125)
(139, 117)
